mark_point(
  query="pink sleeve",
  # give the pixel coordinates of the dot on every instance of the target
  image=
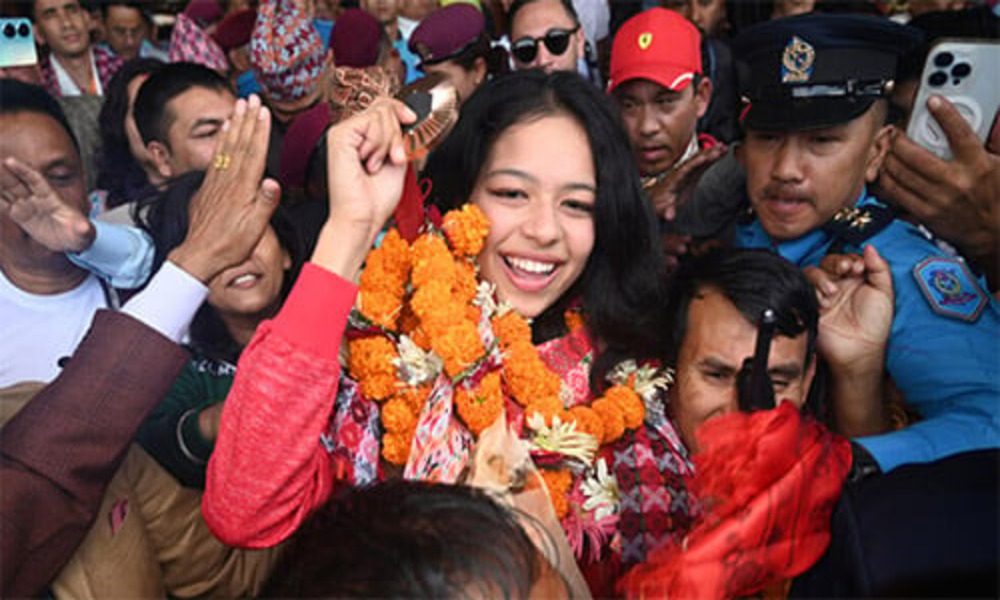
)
(268, 470)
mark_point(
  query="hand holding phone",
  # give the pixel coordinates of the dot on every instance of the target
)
(964, 72)
(17, 43)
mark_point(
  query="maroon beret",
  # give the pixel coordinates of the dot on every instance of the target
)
(355, 39)
(204, 12)
(300, 140)
(446, 32)
(234, 30)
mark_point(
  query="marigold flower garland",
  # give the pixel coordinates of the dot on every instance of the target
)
(421, 310)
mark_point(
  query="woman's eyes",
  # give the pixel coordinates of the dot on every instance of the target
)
(508, 193)
(586, 206)
(579, 206)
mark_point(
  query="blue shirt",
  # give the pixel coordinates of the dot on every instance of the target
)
(247, 84)
(942, 352)
(410, 60)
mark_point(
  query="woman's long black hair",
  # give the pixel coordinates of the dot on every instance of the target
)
(624, 283)
(166, 221)
(118, 172)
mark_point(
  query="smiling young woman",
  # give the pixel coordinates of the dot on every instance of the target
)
(571, 248)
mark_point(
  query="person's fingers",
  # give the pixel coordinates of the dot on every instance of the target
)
(836, 265)
(386, 124)
(31, 179)
(264, 204)
(902, 191)
(877, 270)
(857, 267)
(821, 280)
(252, 154)
(403, 112)
(232, 128)
(962, 138)
(404, 116)
(269, 193)
(247, 125)
(663, 204)
(910, 162)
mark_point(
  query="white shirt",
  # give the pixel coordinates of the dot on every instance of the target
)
(68, 87)
(38, 330)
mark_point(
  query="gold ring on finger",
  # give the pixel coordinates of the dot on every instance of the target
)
(221, 161)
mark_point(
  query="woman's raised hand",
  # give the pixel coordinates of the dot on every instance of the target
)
(366, 165)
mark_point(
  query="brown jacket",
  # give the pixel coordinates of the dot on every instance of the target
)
(59, 452)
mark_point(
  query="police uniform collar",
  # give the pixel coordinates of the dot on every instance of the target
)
(853, 225)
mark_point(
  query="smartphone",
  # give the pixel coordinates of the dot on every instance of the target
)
(17, 43)
(967, 73)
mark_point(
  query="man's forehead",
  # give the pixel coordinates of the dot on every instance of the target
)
(124, 14)
(552, 11)
(185, 109)
(39, 133)
(42, 6)
(644, 88)
(194, 98)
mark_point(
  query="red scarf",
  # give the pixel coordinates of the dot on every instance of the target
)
(768, 482)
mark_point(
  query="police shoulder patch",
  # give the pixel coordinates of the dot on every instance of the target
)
(950, 288)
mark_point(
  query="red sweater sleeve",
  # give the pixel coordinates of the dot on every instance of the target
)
(268, 470)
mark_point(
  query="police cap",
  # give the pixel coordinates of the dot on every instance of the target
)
(818, 70)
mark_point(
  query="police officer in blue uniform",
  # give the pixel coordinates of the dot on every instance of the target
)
(815, 138)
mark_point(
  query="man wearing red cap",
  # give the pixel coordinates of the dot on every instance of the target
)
(656, 78)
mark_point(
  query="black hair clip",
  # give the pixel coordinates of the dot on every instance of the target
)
(755, 387)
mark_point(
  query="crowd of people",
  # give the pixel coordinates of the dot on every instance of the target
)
(541, 298)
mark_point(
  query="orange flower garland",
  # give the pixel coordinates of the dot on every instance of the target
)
(559, 482)
(421, 307)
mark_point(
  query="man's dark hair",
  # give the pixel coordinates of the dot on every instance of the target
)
(104, 5)
(151, 115)
(753, 280)
(519, 4)
(409, 539)
(16, 96)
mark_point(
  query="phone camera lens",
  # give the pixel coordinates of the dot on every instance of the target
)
(938, 78)
(961, 70)
(23, 30)
(8, 30)
(944, 59)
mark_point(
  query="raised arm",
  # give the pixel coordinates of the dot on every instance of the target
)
(119, 254)
(856, 307)
(268, 470)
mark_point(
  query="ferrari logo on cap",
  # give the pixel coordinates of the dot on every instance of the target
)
(797, 61)
(645, 39)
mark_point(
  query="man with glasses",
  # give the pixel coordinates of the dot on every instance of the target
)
(128, 30)
(546, 34)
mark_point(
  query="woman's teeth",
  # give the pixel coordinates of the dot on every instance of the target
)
(531, 266)
(242, 279)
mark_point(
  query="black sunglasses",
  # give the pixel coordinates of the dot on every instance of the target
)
(556, 41)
